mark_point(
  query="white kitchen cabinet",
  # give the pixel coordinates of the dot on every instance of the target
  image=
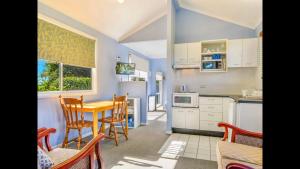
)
(211, 112)
(249, 116)
(210, 100)
(210, 126)
(235, 53)
(192, 118)
(194, 53)
(228, 110)
(211, 116)
(250, 52)
(180, 53)
(178, 118)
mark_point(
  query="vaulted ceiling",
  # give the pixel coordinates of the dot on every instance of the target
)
(120, 20)
(110, 17)
(246, 13)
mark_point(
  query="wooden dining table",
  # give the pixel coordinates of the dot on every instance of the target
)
(101, 106)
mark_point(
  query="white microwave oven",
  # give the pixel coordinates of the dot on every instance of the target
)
(185, 99)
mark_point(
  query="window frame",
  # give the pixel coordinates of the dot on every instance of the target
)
(94, 91)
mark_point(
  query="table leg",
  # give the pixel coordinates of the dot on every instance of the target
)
(102, 120)
(95, 124)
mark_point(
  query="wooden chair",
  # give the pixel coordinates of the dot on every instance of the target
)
(71, 108)
(117, 116)
(70, 158)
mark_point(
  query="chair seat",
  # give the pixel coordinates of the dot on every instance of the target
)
(81, 125)
(59, 155)
(112, 120)
(232, 152)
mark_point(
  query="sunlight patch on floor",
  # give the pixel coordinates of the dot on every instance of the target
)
(136, 163)
(154, 115)
(190, 146)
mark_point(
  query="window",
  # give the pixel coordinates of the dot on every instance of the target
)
(66, 59)
(73, 77)
(48, 76)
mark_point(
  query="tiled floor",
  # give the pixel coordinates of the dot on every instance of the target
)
(190, 146)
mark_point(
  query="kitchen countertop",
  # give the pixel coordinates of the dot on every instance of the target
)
(236, 98)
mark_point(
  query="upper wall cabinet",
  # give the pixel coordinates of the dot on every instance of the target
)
(180, 54)
(187, 55)
(235, 53)
(242, 52)
(250, 52)
(194, 53)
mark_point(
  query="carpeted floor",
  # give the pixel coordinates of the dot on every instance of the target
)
(141, 149)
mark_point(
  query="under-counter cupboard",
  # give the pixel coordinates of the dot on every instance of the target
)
(249, 116)
(211, 110)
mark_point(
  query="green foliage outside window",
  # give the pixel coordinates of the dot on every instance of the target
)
(74, 78)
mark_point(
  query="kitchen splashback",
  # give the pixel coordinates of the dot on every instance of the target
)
(231, 82)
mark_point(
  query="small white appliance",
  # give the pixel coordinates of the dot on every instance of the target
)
(185, 99)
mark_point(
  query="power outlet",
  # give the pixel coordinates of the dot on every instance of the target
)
(202, 86)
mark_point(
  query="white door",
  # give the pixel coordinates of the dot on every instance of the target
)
(178, 117)
(192, 118)
(194, 53)
(235, 53)
(249, 116)
(180, 53)
(250, 52)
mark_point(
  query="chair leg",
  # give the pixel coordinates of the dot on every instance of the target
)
(79, 139)
(92, 130)
(65, 144)
(99, 131)
(125, 134)
(109, 132)
(116, 134)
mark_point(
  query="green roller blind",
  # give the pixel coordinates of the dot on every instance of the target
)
(60, 45)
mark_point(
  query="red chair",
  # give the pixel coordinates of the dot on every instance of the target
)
(71, 158)
(237, 166)
(251, 141)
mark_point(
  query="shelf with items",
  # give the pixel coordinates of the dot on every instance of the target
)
(211, 53)
(214, 56)
(134, 111)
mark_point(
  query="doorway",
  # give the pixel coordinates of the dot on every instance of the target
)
(159, 91)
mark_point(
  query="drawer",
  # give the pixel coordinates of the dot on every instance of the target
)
(211, 108)
(211, 116)
(210, 126)
(210, 100)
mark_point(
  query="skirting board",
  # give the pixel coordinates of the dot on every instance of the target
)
(198, 132)
(83, 136)
(144, 124)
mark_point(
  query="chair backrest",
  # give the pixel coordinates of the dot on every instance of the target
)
(84, 159)
(120, 106)
(71, 108)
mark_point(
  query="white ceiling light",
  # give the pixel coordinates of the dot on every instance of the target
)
(121, 1)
